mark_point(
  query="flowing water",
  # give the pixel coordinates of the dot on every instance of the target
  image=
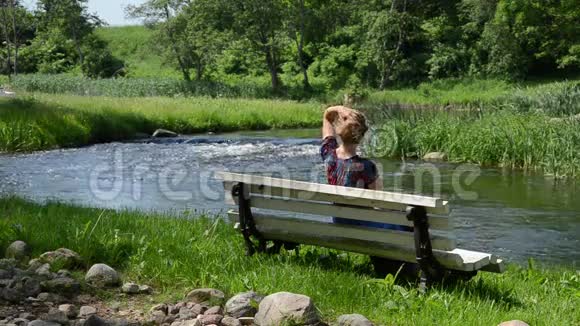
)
(515, 215)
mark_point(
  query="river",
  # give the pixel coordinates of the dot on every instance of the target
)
(510, 213)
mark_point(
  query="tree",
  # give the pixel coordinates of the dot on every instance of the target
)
(69, 17)
(297, 16)
(14, 22)
(261, 23)
(390, 42)
(181, 29)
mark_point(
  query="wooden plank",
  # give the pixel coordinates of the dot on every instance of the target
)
(323, 192)
(267, 224)
(356, 213)
(457, 259)
(321, 197)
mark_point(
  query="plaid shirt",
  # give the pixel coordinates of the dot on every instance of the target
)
(354, 172)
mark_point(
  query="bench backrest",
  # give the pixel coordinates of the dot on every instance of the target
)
(281, 195)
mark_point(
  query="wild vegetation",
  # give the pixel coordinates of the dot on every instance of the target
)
(178, 254)
(52, 121)
(301, 45)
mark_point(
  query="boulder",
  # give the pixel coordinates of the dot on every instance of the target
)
(185, 313)
(210, 319)
(39, 322)
(18, 250)
(55, 315)
(353, 320)
(87, 311)
(243, 304)
(286, 308)
(62, 257)
(130, 288)
(70, 310)
(231, 321)
(20, 289)
(192, 322)
(44, 270)
(215, 310)
(34, 264)
(62, 285)
(435, 156)
(101, 275)
(513, 323)
(95, 320)
(145, 289)
(163, 133)
(160, 307)
(206, 296)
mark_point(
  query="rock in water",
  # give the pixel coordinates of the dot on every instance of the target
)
(18, 250)
(353, 320)
(102, 275)
(163, 133)
(286, 308)
(206, 296)
(243, 304)
(435, 156)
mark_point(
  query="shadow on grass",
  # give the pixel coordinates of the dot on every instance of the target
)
(476, 288)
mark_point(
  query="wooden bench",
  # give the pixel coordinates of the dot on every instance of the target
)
(289, 211)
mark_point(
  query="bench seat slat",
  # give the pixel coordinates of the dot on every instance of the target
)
(266, 191)
(356, 213)
(344, 195)
(268, 224)
(456, 259)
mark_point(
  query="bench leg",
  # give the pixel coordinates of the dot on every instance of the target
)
(430, 269)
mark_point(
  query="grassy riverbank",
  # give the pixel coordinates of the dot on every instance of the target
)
(42, 121)
(178, 254)
(530, 141)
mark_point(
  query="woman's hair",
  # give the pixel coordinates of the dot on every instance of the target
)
(354, 130)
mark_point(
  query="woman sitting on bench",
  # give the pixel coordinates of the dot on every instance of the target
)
(345, 168)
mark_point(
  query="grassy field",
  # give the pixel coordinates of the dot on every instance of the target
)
(477, 92)
(178, 254)
(41, 121)
(133, 44)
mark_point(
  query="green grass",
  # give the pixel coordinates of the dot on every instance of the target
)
(468, 91)
(176, 254)
(138, 87)
(42, 121)
(531, 141)
(133, 45)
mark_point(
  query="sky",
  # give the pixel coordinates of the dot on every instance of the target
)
(111, 11)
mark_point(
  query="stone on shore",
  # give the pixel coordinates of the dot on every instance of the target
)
(435, 156)
(353, 320)
(286, 308)
(70, 310)
(163, 133)
(130, 288)
(101, 275)
(18, 250)
(62, 257)
(231, 321)
(206, 296)
(87, 311)
(243, 304)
